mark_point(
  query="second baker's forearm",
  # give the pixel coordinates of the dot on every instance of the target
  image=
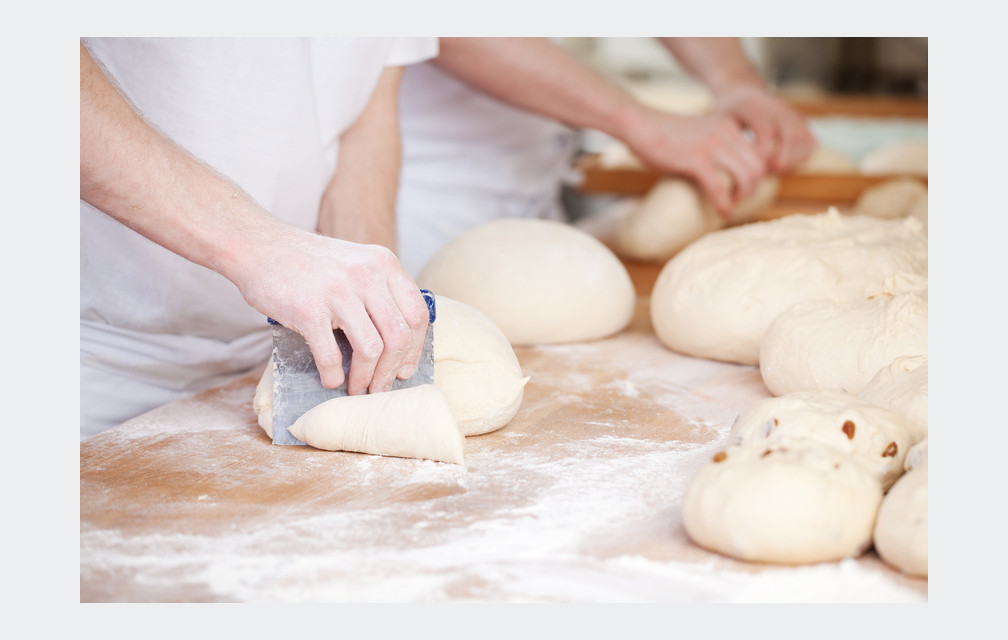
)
(720, 63)
(536, 75)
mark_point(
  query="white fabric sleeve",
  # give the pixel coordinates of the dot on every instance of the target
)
(411, 50)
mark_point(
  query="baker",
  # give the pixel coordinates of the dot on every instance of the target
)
(487, 132)
(207, 167)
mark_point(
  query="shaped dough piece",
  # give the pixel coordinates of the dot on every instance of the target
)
(674, 213)
(474, 365)
(790, 506)
(716, 298)
(852, 427)
(826, 160)
(476, 368)
(415, 422)
(902, 387)
(894, 198)
(901, 529)
(841, 344)
(539, 281)
(905, 156)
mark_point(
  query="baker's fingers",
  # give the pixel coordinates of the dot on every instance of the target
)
(395, 335)
(366, 343)
(717, 188)
(318, 333)
(414, 311)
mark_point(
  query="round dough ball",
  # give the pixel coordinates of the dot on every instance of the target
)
(902, 387)
(753, 206)
(854, 428)
(894, 198)
(476, 368)
(716, 298)
(539, 281)
(841, 344)
(917, 458)
(901, 529)
(674, 213)
(792, 506)
(826, 160)
(905, 156)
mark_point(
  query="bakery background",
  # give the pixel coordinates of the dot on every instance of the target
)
(860, 94)
(580, 496)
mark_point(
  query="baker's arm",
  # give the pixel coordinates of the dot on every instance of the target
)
(536, 75)
(305, 281)
(359, 203)
(783, 137)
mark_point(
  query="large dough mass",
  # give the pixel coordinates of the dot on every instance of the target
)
(539, 281)
(841, 344)
(716, 298)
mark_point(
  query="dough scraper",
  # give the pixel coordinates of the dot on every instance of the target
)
(297, 385)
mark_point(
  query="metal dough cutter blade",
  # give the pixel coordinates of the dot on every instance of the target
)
(297, 386)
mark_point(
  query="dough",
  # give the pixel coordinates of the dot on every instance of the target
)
(539, 281)
(902, 387)
(894, 198)
(415, 422)
(826, 160)
(476, 368)
(716, 298)
(901, 528)
(917, 457)
(875, 438)
(905, 156)
(672, 215)
(841, 344)
(792, 506)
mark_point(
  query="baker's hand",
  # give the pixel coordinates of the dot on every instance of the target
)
(782, 136)
(706, 148)
(313, 284)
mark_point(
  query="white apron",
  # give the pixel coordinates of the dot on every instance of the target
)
(468, 159)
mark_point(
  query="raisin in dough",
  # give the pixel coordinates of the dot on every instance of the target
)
(416, 422)
(841, 344)
(539, 281)
(902, 387)
(674, 213)
(716, 298)
(901, 528)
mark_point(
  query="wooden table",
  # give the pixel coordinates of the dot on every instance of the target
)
(576, 500)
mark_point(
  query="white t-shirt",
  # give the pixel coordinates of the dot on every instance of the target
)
(266, 113)
(469, 158)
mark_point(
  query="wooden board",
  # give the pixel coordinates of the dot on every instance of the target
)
(576, 500)
(822, 187)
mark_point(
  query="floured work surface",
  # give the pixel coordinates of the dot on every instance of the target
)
(576, 500)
